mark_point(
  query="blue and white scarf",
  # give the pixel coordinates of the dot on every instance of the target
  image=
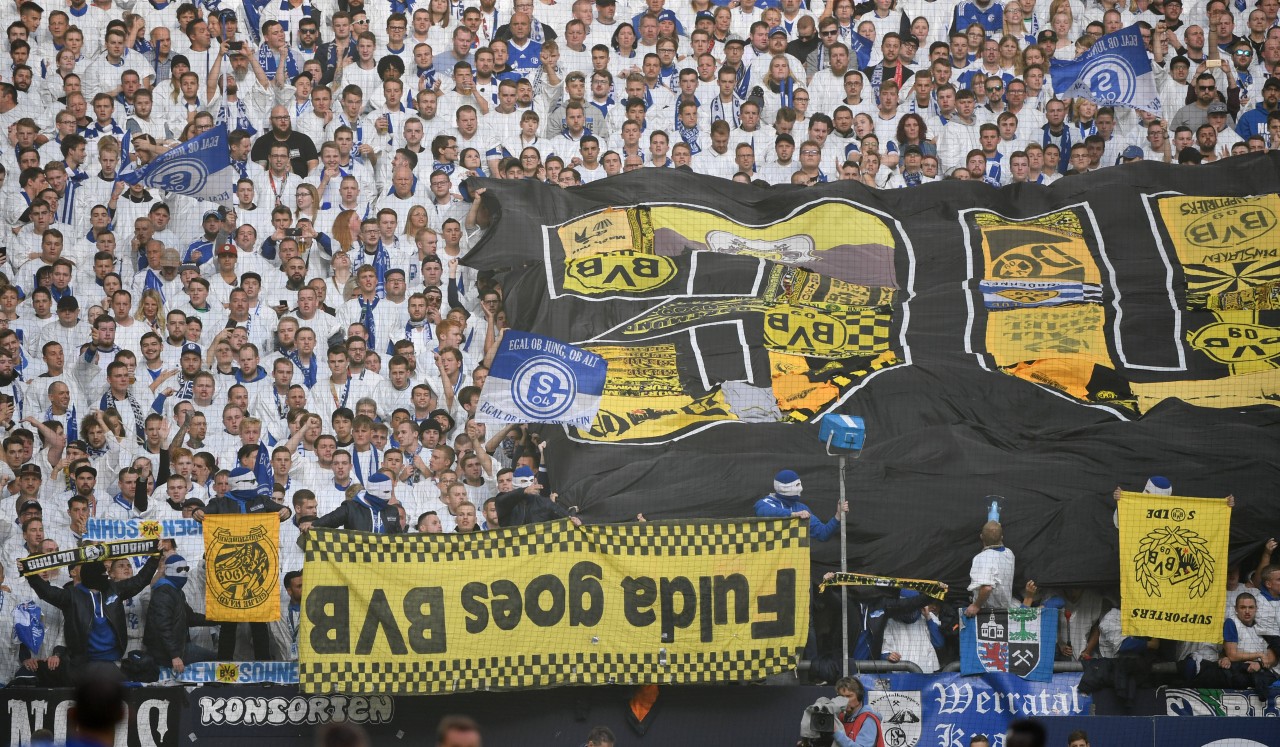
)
(374, 459)
(308, 372)
(73, 423)
(690, 136)
(368, 318)
(718, 111)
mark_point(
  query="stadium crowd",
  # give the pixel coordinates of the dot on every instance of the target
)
(317, 335)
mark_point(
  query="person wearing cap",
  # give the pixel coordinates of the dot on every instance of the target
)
(1130, 154)
(27, 541)
(166, 636)
(11, 531)
(1225, 135)
(777, 47)
(170, 285)
(1172, 20)
(1254, 121)
(604, 24)
(29, 479)
(69, 331)
(779, 168)
(911, 167)
(526, 504)
(200, 250)
(784, 502)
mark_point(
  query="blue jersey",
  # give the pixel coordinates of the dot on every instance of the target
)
(777, 506)
(525, 61)
(968, 13)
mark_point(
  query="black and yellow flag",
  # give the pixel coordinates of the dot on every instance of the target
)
(1173, 566)
(242, 558)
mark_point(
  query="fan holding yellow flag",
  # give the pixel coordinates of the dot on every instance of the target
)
(242, 554)
(1173, 561)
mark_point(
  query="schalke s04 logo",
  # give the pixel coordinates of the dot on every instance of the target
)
(544, 387)
(182, 175)
(1111, 79)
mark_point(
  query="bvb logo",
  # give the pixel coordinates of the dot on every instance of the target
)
(242, 569)
(149, 529)
(228, 672)
(1173, 556)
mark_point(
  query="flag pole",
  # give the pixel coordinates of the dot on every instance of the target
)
(844, 568)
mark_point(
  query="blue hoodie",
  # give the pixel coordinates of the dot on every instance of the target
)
(781, 506)
(1253, 122)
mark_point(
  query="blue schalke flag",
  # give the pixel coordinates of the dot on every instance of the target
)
(536, 379)
(1114, 72)
(200, 167)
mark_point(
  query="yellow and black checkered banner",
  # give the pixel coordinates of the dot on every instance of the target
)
(1173, 566)
(242, 556)
(552, 604)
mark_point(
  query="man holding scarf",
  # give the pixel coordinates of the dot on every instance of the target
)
(94, 618)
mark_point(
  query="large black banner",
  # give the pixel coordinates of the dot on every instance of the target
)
(1041, 344)
(154, 720)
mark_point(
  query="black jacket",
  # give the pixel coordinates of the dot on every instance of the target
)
(226, 505)
(77, 609)
(869, 611)
(168, 617)
(353, 514)
(516, 507)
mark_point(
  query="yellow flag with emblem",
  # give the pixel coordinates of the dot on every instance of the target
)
(1173, 566)
(242, 566)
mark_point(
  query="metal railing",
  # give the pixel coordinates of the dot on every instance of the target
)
(1164, 667)
(870, 666)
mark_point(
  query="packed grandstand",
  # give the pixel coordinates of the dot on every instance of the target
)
(316, 345)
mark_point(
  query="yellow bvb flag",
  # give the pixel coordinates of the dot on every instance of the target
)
(552, 604)
(242, 566)
(1173, 566)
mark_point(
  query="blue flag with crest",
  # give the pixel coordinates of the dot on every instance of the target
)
(1116, 71)
(199, 167)
(536, 379)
